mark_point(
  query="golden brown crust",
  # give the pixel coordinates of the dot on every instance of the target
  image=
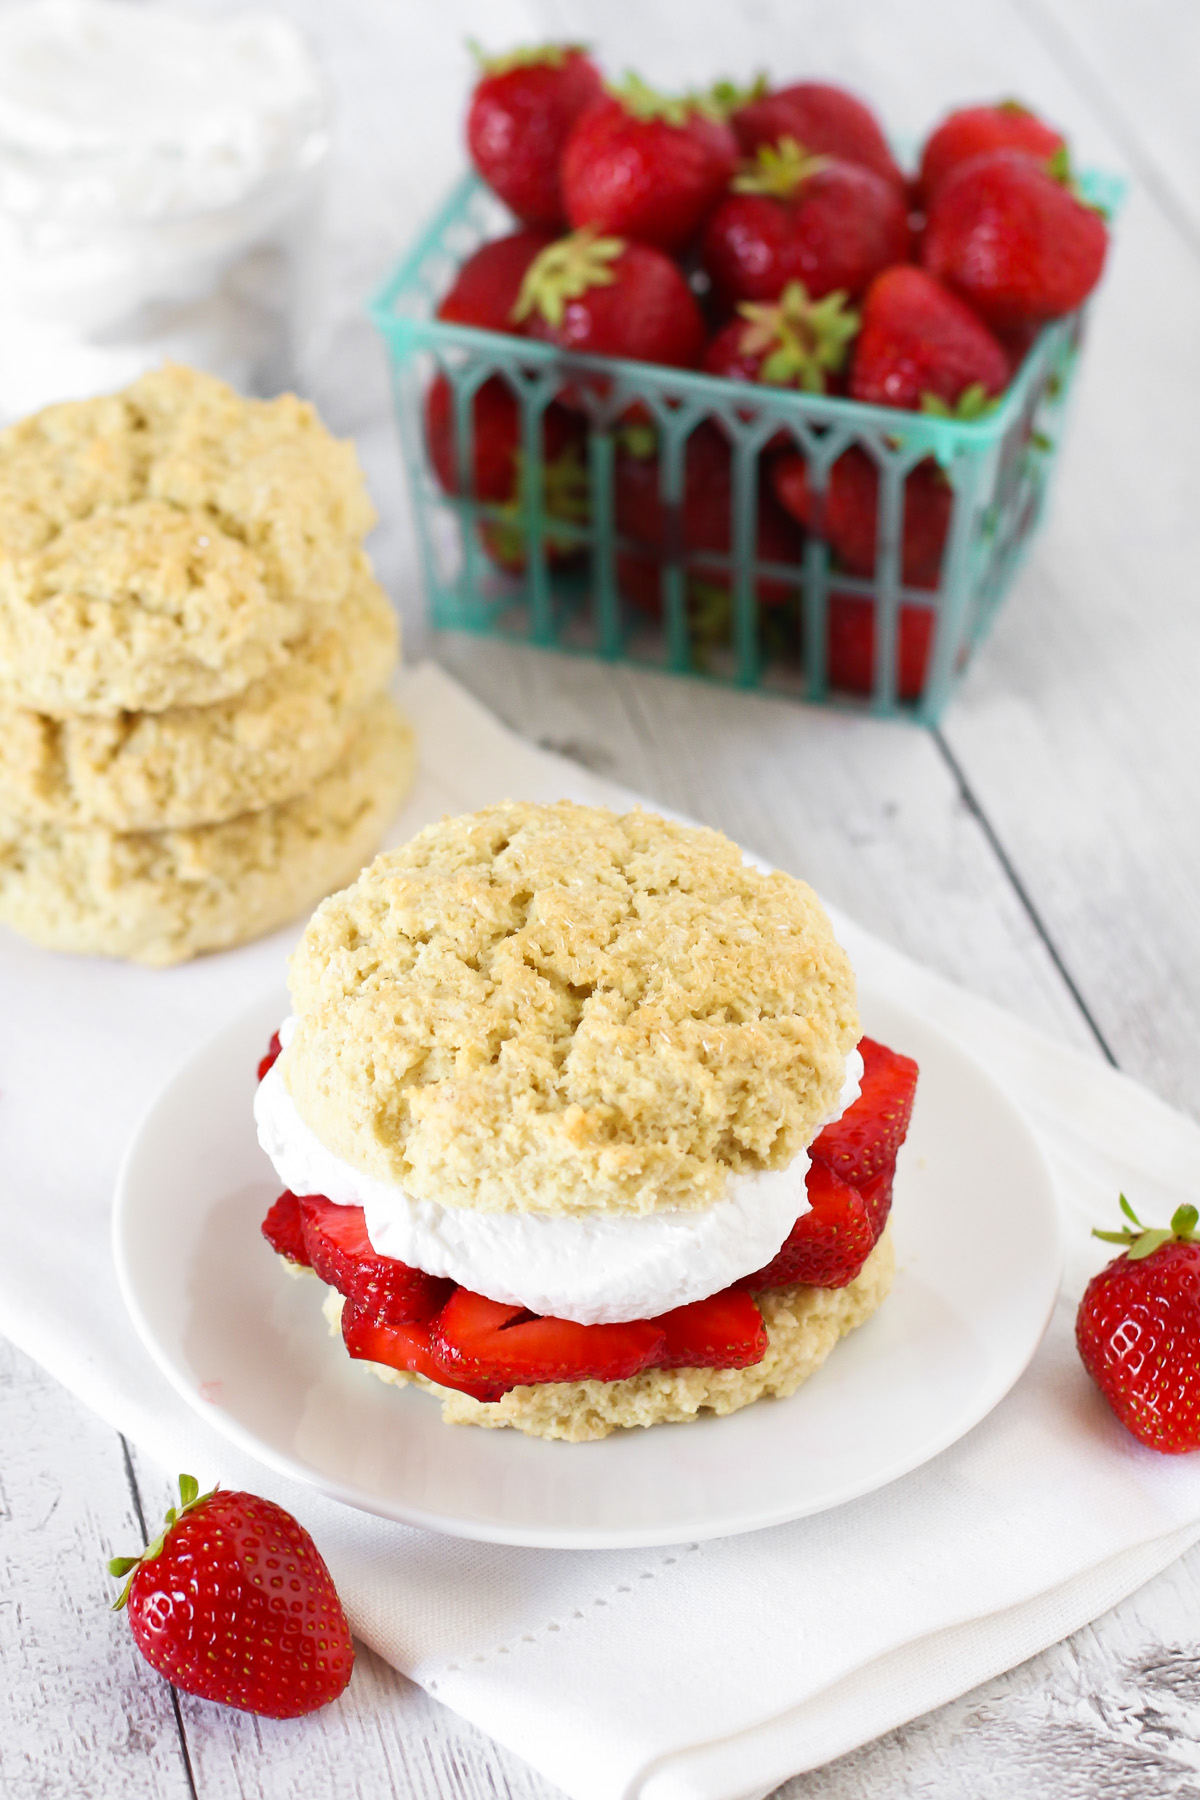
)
(160, 897)
(199, 765)
(166, 546)
(803, 1326)
(554, 1008)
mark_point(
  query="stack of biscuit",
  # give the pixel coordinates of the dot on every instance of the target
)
(196, 741)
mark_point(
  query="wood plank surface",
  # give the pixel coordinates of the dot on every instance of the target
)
(1045, 851)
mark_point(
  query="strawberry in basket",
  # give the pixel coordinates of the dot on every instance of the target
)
(792, 342)
(699, 531)
(796, 217)
(611, 296)
(978, 130)
(642, 165)
(825, 120)
(922, 348)
(522, 112)
(1014, 239)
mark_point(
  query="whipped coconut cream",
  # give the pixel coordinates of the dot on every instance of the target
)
(157, 184)
(596, 1268)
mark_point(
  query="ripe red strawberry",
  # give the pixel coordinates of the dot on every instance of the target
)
(496, 438)
(274, 1052)
(877, 1198)
(499, 472)
(521, 114)
(234, 1603)
(725, 1331)
(610, 297)
(847, 514)
(640, 165)
(410, 1349)
(283, 1229)
(826, 120)
(976, 130)
(700, 531)
(487, 285)
(793, 342)
(485, 1338)
(851, 640)
(342, 1254)
(1138, 1331)
(1013, 240)
(922, 348)
(566, 501)
(794, 217)
(865, 1141)
(828, 1245)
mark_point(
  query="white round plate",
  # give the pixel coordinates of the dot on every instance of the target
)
(977, 1238)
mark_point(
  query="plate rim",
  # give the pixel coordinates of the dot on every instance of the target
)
(347, 1493)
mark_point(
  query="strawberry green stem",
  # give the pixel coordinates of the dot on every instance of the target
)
(190, 1497)
(778, 169)
(641, 101)
(531, 56)
(564, 271)
(1143, 1240)
(800, 340)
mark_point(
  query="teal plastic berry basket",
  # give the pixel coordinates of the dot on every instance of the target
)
(556, 571)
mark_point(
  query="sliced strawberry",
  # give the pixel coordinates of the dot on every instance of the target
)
(283, 1229)
(386, 1290)
(274, 1052)
(863, 1142)
(725, 1331)
(486, 1339)
(828, 1246)
(408, 1348)
(877, 1198)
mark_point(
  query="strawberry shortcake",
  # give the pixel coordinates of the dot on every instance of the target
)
(577, 1123)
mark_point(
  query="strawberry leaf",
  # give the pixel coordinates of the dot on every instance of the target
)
(565, 271)
(1129, 1213)
(778, 169)
(1148, 1243)
(551, 56)
(1184, 1221)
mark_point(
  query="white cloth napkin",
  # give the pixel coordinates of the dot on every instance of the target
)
(705, 1672)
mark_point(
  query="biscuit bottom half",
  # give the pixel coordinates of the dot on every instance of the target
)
(803, 1325)
(159, 897)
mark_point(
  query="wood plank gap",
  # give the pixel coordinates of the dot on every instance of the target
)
(1022, 893)
(136, 1496)
(1062, 47)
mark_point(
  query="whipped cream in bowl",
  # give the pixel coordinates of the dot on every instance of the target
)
(594, 1267)
(159, 172)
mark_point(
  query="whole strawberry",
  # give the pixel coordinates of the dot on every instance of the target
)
(847, 513)
(521, 114)
(922, 348)
(487, 285)
(792, 342)
(699, 531)
(611, 297)
(1014, 240)
(1138, 1330)
(642, 165)
(234, 1603)
(794, 217)
(826, 120)
(976, 130)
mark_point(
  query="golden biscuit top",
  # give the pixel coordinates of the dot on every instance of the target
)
(556, 1008)
(164, 546)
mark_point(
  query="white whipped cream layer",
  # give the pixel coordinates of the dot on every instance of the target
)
(595, 1267)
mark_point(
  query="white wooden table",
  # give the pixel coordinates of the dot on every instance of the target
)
(1043, 847)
